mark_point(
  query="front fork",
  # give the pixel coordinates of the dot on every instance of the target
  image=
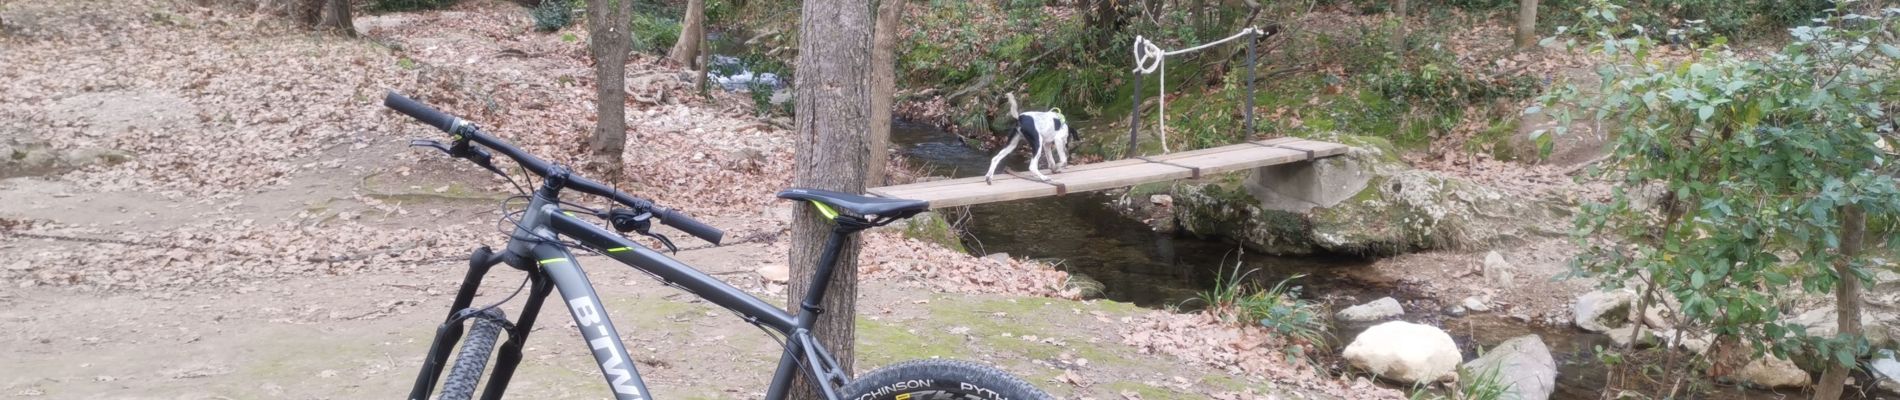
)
(450, 331)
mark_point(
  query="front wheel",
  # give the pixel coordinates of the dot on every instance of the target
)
(940, 380)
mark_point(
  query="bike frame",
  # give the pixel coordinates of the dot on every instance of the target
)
(551, 266)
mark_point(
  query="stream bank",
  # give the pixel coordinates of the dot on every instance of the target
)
(1087, 234)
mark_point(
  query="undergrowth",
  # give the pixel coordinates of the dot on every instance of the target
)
(1235, 299)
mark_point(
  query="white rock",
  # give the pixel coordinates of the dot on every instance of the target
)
(775, 272)
(1474, 303)
(1887, 370)
(1622, 336)
(1523, 365)
(1497, 271)
(1383, 308)
(1599, 311)
(1698, 343)
(1162, 200)
(1824, 322)
(1405, 352)
(1772, 372)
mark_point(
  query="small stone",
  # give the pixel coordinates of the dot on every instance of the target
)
(1161, 200)
(1383, 308)
(1626, 334)
(1497, 271)
(1474, 303)
(1772, 372)
(1599, 311)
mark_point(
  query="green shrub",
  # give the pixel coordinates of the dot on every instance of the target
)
(1281, 310)
(408, 5)
(654, 32)
(552, 15)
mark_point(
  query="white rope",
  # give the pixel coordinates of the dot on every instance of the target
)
(1149, 59)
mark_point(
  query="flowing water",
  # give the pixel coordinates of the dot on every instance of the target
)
(1135, 264)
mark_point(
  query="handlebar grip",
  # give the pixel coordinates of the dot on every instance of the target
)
(689, 225)
(420, 112)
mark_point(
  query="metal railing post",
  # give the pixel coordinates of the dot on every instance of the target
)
(1252, 41)
(1134, 116)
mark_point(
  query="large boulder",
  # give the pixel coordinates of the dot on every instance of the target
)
(1366, 201)
(1772, 372)
(1600, 311)
(1886, 371)
(1877, 325)
(1522, 365)
(1377, 310)
(1405, 352)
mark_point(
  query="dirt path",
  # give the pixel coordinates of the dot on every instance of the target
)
(362, 336)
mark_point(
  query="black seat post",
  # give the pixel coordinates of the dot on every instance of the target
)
(827, 263)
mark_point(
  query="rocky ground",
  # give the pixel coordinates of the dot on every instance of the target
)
(204, 203)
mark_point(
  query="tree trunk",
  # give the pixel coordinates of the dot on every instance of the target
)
(1398, 30)
(883, 83)
(1846, 298)
(608, 41)
(692, 35)
(1526, 24)
(834, 93)
(306, 13)
(337, 18)
(1105, 19)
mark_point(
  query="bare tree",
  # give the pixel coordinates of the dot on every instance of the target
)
(609, 40)
(1526, 24)
(336, 18)
(1398, 33)
(835, 99)
(692, 36)
(883, 84)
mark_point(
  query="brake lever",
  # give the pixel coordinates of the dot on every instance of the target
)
(431, 143)
(641, 222)
(461, 150)
(663, 241)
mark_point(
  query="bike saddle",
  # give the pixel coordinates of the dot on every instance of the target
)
(860, 205)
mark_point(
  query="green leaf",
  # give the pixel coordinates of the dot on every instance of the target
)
(1705, 112)
(1845, 357)
(1890, 51)
(1698, 279)
(1775, 278)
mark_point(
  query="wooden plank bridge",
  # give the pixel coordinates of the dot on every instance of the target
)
(1114, 174)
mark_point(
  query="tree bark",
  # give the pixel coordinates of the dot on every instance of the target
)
(1105, 19)
(609, 40)
(306, 13)
(692, 35)
(883, 84)
(337, 18)
(834, 93)
(1526, 24)
(1846, 298)
(1398, 32)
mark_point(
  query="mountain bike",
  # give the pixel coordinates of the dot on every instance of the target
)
(540, 245)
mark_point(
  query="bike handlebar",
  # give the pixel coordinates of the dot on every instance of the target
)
(466, 131)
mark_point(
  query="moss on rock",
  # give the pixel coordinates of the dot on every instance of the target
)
(931, 227)
(1398, 210)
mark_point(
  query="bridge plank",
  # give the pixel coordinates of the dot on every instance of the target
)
(1114, 174)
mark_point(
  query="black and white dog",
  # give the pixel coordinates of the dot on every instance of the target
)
(1043, 129)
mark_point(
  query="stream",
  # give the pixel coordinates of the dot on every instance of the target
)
(1083, 234)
